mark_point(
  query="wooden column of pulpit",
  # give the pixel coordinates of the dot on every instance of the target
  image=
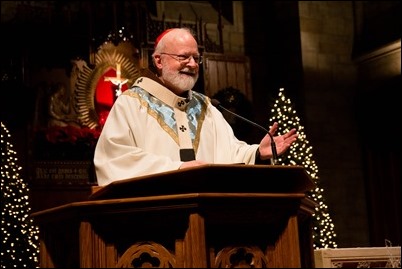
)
(212, 216)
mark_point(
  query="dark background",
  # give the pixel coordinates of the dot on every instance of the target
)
(33, 38)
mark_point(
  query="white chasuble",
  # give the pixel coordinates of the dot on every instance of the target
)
(146, 130)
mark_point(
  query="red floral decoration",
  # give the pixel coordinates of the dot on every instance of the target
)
(65, 142)
(71, 134)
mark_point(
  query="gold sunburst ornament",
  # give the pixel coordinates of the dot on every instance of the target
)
(122, 60)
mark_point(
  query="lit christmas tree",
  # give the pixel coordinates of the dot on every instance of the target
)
(300, 153)
(19, 236)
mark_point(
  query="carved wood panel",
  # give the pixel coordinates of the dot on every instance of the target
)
(222, 71)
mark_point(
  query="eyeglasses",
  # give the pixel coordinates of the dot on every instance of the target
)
(184, 58)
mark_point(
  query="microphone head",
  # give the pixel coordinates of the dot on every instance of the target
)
(215, 102)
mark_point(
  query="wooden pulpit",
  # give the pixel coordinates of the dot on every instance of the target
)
(212, 216)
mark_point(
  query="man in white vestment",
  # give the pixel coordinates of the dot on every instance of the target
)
(160, 124)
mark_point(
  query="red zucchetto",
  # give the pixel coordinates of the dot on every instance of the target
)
(162, 35)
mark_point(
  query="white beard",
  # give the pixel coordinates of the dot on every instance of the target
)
(181, 81)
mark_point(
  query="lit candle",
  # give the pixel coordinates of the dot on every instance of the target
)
(118, 72)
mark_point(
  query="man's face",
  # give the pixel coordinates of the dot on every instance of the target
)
(179, 64)
(179, 76)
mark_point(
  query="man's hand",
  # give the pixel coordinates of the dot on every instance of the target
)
(282, 142)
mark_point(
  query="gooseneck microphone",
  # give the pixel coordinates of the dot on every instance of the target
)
(274, 158)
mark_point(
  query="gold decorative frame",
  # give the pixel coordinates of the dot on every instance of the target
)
(108, 56)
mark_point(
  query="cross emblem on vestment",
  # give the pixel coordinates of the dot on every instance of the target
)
(182, 128)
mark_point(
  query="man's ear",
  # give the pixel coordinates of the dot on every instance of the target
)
(157, 61)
